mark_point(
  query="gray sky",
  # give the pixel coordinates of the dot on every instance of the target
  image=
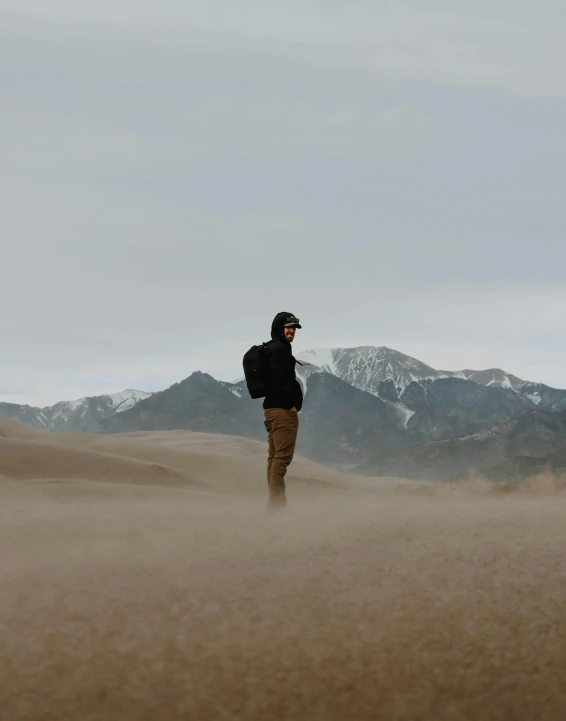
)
(175, 173)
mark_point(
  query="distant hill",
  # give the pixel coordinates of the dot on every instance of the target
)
(198, 403)
(517, 448)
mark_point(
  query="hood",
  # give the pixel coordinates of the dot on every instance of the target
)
(277, 326)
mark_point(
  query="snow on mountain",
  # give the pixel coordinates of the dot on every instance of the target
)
(83, 414)
(323, 358)
(367, 367)
(112, 403)
(303, 374)
(404, 413)
(127, 399)
(413, 395)
(328, 361)
(386, 373)
(492, 377)
(237, 388)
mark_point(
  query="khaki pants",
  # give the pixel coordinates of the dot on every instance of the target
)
(282, 427)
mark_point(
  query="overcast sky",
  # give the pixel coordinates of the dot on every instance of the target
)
(174, 173)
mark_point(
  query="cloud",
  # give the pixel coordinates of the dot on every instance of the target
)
(506, 44)
(173, 176)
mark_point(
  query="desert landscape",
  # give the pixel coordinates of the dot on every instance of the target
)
(143, 579)
(384, 180)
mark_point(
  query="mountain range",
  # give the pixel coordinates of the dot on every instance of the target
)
(374, 410)
(387, 373)
(84, 415)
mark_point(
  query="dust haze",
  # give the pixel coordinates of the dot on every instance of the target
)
(143, 579)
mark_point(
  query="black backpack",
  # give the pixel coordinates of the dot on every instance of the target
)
(255, 370)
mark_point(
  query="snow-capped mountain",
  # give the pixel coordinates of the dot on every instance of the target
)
(116, 403)
(127, 399)
(310, 369)
(388, 374)
(83, 414)
(433, 403)
(381, 371)
(367, 367)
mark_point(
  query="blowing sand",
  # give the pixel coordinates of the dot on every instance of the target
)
(127, 600)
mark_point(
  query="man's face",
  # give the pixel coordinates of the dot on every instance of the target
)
(289, 334)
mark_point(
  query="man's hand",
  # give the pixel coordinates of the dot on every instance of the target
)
(293, 409)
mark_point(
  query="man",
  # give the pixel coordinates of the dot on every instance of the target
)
(282, 404)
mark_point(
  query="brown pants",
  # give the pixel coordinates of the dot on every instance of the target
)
(282, 427)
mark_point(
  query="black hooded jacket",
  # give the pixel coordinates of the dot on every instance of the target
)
(284, 390)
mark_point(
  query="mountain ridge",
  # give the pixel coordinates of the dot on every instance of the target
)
(366, 408)
(387, 373)
(83, 414)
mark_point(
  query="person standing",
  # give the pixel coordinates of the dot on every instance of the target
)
(282, 404)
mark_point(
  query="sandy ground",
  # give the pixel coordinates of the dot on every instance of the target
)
(142, 579)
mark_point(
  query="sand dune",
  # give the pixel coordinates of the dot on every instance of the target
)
(202, 442)
(220, 463)
(125, 602)
(11, 429)
(30, 460)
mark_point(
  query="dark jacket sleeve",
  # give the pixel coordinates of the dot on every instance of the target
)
(284, 388)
